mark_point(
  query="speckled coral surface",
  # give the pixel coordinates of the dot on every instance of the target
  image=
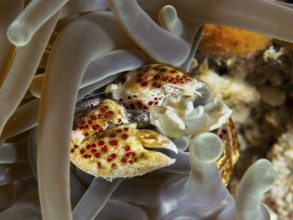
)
(280, 197)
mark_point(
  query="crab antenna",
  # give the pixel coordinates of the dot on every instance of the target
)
(258, 179)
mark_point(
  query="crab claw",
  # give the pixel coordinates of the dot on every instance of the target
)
(119, 152)
(97, 119)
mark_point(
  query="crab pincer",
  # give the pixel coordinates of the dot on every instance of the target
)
(118, 149)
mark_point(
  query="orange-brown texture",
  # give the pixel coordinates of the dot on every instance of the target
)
(223, 40)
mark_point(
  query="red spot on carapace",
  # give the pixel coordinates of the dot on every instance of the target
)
(93, 151)
(112, 135)
(113, 142)
(93, 117)
(113, 156)
(100, 143)
(143, 84)
(95, 127)
(104, 148)
(128, 154)
(124, 136)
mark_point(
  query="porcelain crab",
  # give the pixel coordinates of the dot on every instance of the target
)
(160, 97)
(172, 100)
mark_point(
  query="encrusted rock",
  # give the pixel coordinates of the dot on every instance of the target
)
(272, 96)
(280, 197)
(237, 94)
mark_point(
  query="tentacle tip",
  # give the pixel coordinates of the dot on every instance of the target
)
(264, 169)
(168, 13)
(206, 147)
(19, 33)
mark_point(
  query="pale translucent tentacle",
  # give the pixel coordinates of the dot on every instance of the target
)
(21, 211)
(13, 153)
(162, 46)
(27, 58)
(194, 45)
(202, 192)
(36, 85)
(77, 6)
(129, 189)
(7, 196)
(289, 5)
(98, 73)
(14, 172)
(112, 63)
(182, 164)
(258, 179)
(32, 150)
(92, 87)
(84, 178)
(77, 190)
(265, 17)
(126, 211)
(205, 178)
(169, 20)
(24, 118)
(181, 143)
(29, 21)
(95, 198)
(63, 77)
(8, 11)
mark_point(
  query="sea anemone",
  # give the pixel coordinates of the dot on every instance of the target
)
(56, 52)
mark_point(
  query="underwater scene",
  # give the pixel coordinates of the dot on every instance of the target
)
(146, 109)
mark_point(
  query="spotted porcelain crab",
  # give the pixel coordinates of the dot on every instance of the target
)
(149, 85)
(108, 138)
(105, 144)
(169, 98)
